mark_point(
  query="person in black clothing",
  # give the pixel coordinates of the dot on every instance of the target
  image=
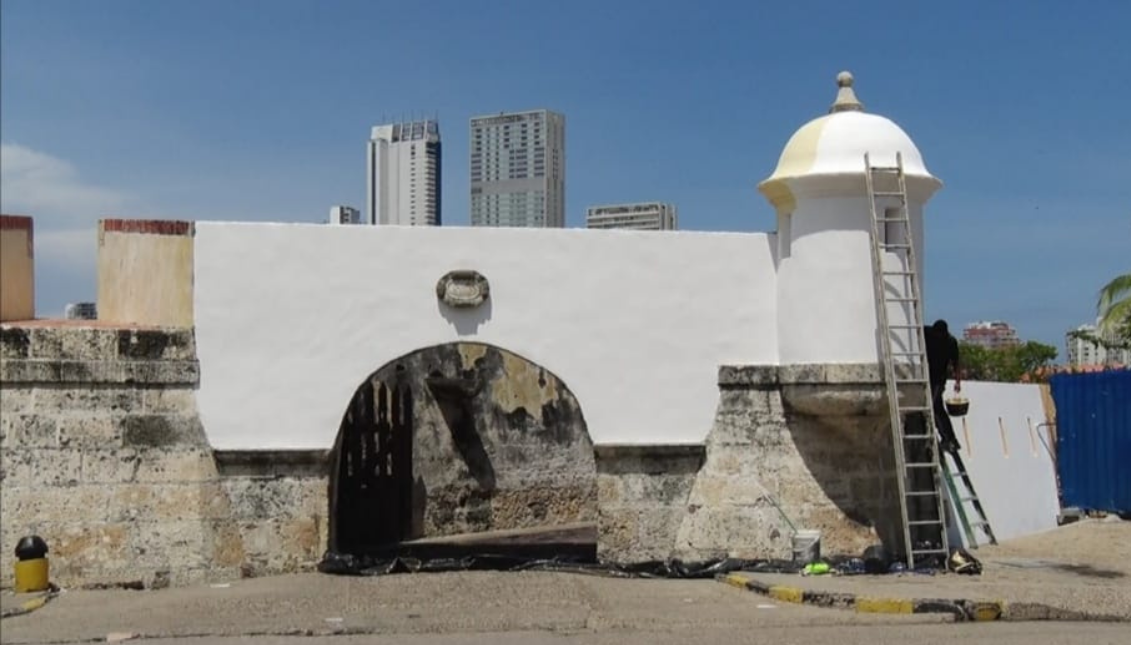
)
(942, 359)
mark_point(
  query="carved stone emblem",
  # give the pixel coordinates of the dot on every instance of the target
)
(463, 289)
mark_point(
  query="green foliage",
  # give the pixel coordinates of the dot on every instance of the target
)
(1005, 364)
(1114, 307)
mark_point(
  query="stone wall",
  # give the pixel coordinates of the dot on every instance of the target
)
(642, 499)
(103, 455)
(497, 443)
(791, 448)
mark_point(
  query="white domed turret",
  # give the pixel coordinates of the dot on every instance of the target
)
(833, 146)
(826, 308)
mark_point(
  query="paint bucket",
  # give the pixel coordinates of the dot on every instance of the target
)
(806, 546)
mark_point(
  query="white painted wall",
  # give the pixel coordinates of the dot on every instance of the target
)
(826, 298)
(1004, 449)
(635, 323)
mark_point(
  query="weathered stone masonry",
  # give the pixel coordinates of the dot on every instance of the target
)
(812, 440)
(102, 453)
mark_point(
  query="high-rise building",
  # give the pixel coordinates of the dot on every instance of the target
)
(403, 179)
(518, 169)
(992, 334)
(1083, 351)
(645, 216)
(81, 311)
(344, 215)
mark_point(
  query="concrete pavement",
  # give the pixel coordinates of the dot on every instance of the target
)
(436, 603)
(1076, 572)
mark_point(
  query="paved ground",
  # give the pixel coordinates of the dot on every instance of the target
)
(442, 603)
(1082, 569)
(1092, 568)
(996, 634)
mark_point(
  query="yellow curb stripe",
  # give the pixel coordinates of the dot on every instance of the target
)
(34, 604)
(884, 605)
(787, 594)
(736, 580)
(987, 611)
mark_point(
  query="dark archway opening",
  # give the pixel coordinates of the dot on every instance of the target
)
(463, 449)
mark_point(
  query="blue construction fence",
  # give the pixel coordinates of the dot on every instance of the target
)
(1093, 428)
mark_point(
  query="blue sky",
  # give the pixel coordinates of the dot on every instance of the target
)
(259, 110)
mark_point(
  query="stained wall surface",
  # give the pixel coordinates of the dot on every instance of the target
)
(145, 272)
(1006, 450)
(17, 268)
(290, 319)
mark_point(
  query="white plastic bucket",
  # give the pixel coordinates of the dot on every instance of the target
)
(806, 546)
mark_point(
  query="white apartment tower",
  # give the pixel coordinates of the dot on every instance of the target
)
(518, 169)
(403, 177)
(1082, 351)
(344, 215)
(645, 216)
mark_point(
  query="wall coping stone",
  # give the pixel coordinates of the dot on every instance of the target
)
(272, 463)
(653, 450)
(66, 372)
(70, 355)
(815, 373)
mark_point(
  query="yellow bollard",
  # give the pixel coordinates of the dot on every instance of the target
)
(31, 565)
(32, 575)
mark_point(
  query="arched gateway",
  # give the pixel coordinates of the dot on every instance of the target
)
(458, 438)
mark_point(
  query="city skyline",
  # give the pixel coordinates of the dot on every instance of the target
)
(404, 165)
(517, 169)
(119, 118)
(641, 216)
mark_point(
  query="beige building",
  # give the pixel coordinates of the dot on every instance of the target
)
(643, 216)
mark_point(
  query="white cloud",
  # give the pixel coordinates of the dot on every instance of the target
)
(66, 209)
(51, 190)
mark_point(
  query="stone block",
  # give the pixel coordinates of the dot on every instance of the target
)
(214, 501)
(802, 373)
(282, 545)
(157, 502)
(755, 529)
(649, 459)
(258, 498)
(711, 491)
(747, 375)
(176, 545)
(112, 466)
(273, 463)
(225, 545)
(156, 344)
(15, 400)
(26, 507)
(104, 398)
(655, 490)
(162, 431)
(84, 345)
(15, 343)
(610, 491)
(616, 535)
(40, 467)
(169, 400)
(184, 373)
(79, 546)
(89, 431)
(179, 465)
(854, 373)
(30, 431)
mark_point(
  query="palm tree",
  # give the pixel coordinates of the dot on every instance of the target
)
(1114, 306)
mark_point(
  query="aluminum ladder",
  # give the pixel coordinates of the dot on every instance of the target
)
(918, 467)
(960, 502)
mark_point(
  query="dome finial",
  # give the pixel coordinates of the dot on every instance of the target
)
(846, 100)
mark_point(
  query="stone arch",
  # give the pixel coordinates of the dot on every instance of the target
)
(456, 438)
